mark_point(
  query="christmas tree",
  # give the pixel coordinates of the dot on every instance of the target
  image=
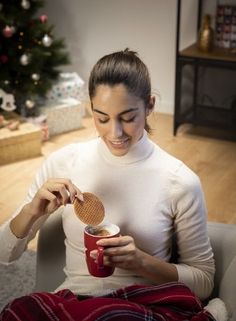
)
(29, 54)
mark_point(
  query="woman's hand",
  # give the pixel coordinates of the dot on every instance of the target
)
(120, 252)
(53, 194)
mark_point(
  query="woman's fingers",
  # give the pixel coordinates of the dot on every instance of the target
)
(46, 194)
(119, 251)
(116, 241)
(73, 190)
(64, 189)
(53, 194)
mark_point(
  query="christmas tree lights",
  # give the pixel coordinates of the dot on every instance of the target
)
(30, 54)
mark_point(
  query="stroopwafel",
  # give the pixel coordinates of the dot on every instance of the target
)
(90, 211)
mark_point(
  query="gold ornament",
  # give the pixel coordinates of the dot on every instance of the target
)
(206, 35)
(29, 104)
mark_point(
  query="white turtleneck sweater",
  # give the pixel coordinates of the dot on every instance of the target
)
(148, 193)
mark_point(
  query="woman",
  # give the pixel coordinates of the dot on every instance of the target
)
(147, 192)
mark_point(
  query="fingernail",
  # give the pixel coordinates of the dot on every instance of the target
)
(80, 197)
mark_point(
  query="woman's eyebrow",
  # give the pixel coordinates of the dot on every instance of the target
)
(122, 113)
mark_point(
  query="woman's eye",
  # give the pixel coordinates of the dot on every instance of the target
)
(102, 121)
(129, 120)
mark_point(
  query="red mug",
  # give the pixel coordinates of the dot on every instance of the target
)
(91, 236)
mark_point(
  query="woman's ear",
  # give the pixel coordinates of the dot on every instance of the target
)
(151, 105)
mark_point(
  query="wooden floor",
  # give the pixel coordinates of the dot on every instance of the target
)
(214, 160)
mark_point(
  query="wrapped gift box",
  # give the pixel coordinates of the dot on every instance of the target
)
(63, 116)
(20, 144)
(68, 85)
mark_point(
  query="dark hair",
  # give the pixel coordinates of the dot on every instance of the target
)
(122, 67)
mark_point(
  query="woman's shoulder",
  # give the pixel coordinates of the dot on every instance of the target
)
(179, 172)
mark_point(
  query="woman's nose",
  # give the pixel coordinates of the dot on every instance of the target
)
(116, 129)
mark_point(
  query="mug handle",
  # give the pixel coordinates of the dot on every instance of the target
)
(100, 257)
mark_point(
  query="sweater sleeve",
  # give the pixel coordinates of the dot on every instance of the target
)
(195, 266)
(11, 247)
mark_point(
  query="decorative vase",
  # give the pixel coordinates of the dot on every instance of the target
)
(206, 35)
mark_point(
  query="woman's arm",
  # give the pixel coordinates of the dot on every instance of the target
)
(45, 196)
(195, 266)
(23, 226)
(53, 194)
(123, 253)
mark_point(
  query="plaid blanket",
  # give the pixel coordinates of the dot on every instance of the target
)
(169, 302)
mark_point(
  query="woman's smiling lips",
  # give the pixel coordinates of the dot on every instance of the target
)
(119, 144)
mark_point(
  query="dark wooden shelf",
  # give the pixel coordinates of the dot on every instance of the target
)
(215, 116)
(196, 76)
(216, 54)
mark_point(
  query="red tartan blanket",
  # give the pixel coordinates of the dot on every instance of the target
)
(168, 302)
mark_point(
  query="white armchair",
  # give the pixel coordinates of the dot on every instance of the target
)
(51, 259)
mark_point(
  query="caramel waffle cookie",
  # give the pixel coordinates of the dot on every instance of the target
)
(90, 211)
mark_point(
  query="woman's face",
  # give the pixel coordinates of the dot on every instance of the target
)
(119, 117)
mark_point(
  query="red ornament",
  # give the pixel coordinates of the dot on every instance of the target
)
(43, 18)
(4, 59)
(8, 31)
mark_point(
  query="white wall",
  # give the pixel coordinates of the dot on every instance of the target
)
(93, 28)
(188, 23)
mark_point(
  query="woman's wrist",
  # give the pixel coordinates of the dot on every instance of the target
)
(155, 269)
(23, 222)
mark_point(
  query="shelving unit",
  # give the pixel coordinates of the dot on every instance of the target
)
(191, 64)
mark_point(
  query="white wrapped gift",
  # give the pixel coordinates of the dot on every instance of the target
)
(63, 116)
(68, 85)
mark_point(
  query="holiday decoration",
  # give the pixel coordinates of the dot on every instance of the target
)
(29, 104)
(24, 59)
(20, 144)
(3, 59)
(11, 124)
(43, 18)
(47, 41)
(25, 4)
(63, 116)
(35, 77)
(41, 122)
(14, 125)
(8, 32)
(3, 121)
(69, 85)
(8, 101)
(30, 54)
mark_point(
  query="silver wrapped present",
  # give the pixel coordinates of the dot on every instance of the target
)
(63, 116)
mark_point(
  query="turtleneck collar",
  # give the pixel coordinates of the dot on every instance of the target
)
(138, 152)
